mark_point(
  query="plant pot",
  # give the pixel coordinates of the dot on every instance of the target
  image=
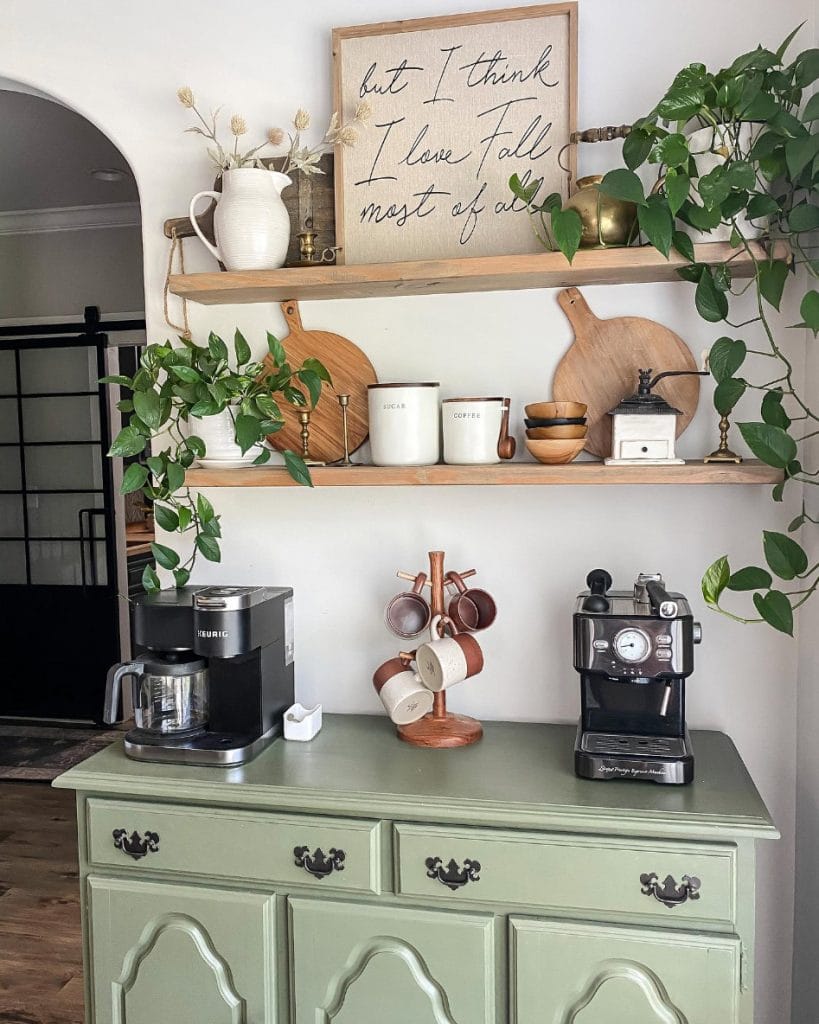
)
(606, 220)
(251, 223)
(711, 148)
(218, 433)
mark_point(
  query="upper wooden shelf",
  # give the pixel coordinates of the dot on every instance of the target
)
(509, 473)
(635, 265)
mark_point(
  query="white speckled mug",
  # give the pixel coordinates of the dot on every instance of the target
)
(448, 659)
(403, 695)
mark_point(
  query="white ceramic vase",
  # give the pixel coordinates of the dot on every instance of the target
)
(218, 433)
(251, 223)
(710, 147)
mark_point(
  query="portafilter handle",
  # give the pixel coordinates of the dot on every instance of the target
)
(110, 713)
(661, 603)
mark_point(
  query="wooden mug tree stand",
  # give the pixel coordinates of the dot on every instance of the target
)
(440, 728)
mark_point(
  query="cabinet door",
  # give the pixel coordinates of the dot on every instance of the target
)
(359, 964)
(162, 953)
(566, 973)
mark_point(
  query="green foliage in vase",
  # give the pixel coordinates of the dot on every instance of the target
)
(761, 123)
(174, 384)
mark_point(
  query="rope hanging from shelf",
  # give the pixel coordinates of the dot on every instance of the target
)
(176, 243)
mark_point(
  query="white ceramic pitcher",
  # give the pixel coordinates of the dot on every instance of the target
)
(251, 223)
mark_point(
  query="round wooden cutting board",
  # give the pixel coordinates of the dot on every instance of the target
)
(351, 371)
(601, 367)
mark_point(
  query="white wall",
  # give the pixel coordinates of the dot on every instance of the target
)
(339, 548)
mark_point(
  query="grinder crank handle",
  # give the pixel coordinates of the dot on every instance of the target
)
(662, 604)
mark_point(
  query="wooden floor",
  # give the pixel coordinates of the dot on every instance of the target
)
(40, 944)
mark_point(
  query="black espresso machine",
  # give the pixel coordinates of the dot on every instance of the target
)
(634, 650)
(215, 675)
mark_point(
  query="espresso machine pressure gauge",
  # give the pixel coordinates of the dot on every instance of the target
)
(632, 645)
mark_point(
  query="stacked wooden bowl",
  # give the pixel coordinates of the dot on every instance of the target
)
(555, 431)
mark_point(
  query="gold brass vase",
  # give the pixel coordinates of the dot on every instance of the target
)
(606, 220)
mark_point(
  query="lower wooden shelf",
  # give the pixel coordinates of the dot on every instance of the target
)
(509, 473)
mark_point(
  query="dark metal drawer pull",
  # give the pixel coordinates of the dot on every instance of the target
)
(318, 865)
(136, 845)
(668, 892)
(453, 876)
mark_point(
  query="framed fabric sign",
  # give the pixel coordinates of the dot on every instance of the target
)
(459, 104)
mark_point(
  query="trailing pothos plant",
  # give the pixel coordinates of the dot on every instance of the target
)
(763, 128)
(173, 386)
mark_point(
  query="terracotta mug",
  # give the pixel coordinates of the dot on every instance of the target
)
(408, 613)
(404, 696)
(470, 609)
(449, 659)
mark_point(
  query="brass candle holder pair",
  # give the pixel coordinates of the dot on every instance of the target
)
(304, 419)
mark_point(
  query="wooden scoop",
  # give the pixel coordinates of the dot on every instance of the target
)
(506, 443)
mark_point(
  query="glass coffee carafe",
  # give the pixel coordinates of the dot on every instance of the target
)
(170, 693)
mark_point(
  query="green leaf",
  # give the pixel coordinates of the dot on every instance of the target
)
(196, 445)
(623, 184)
(165, 556)
(795, 524)
(567, 229)
(204, 509)
(786, 42)
(799, 153)
(772, 412)
(212, 528)
(128, 441)
(185, 517)
(175, 474)
(150, 580)
(116, 378)
(241, 348)
(761, 205)
(217, 348)
(699, 217)
(809, 310)
(156, 464)
(750, 578)
(774, 446)
(683, 244)
(656, 223)
(262, 457)
(775, 609)
(677, 186)
(680, 104)
(146, 406)
(727, 393)
(804, 217)
(166, 518)
(711, 303)
(778, 490)
(715, 580)
(297, 468)
(181, 577)
(526, 193)
(209, 547)
(134, 478)
(725, 358)
(276, 349)
(672, 150)
(786, 558)
(318, 368)
(811, 111)
(313, 384)
(807, 68)
(771, 277)
(186, 374)
(636, 147)
(714, 187)
(247, 432)
(268, 406)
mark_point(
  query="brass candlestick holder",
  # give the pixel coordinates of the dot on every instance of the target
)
(440, 728)
(304, 419)
(723, 453)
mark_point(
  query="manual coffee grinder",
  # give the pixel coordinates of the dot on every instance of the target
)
(633, 650)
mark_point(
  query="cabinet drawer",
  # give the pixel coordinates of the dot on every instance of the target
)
(620, 877)
(239, 845)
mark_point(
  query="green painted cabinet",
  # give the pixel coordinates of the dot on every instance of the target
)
(355, 964)
(171, 953)
(569, 973)
(358, 880)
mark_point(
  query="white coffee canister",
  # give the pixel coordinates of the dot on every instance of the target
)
(405, 424)
(471, 430)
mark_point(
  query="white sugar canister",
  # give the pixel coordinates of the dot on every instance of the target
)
(405, 423)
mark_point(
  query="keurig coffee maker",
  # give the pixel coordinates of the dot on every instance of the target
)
(215, 677)
(634, 651)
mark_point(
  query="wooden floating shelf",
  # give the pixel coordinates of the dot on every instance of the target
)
(635, 265)
(509, 473)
